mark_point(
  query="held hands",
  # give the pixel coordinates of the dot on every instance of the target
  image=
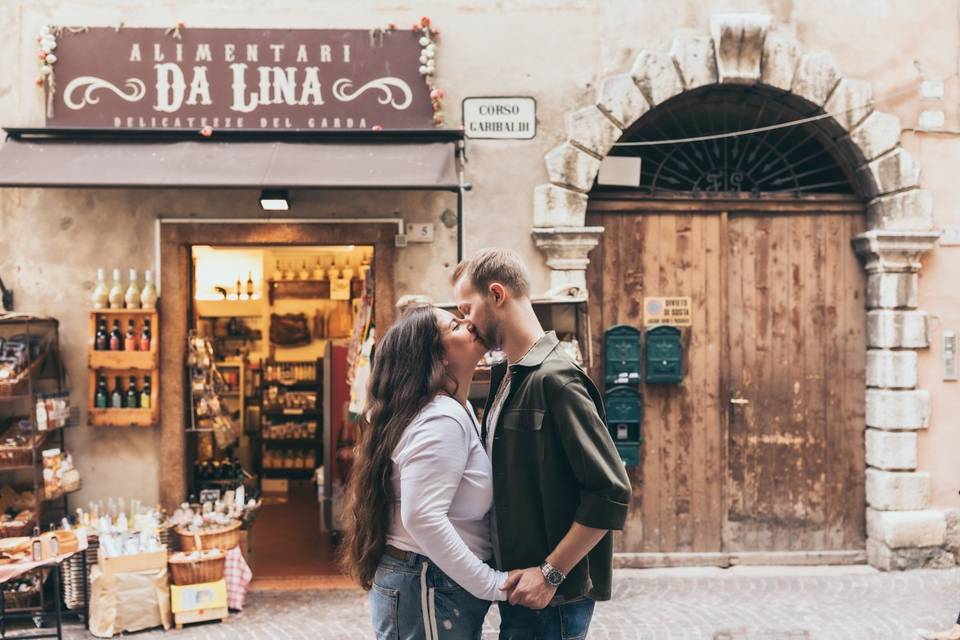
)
(527, 587)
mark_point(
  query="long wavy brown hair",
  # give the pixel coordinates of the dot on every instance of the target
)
(408, 372)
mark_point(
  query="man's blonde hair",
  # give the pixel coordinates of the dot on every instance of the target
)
(494, 265)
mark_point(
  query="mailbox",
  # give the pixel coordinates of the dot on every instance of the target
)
(664, 355)
(630, 454)
(624, 414)
(621, 355)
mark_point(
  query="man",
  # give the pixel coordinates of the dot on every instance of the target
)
(559, 486)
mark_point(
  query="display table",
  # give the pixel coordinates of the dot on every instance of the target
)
(14, 570)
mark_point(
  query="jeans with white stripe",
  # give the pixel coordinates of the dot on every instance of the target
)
(412, 599)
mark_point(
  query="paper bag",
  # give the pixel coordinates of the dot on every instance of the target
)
(128, 602)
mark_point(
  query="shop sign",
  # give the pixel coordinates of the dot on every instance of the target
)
(339, 289)
(139, 78)
(676, 311)
(500, 118)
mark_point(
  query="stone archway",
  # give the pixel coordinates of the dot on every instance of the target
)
(902, 531)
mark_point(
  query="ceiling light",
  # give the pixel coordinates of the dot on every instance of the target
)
(275, 200)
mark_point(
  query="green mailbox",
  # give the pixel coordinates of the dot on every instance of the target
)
(630, 454)
(621, 355)
(664, 355)
(624, 407)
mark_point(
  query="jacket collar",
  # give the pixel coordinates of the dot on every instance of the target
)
(539, 351)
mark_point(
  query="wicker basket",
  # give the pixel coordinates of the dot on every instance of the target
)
(184, 571)
(15, 457)
(225, 538)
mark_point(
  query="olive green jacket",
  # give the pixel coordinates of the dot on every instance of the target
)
(554, 463)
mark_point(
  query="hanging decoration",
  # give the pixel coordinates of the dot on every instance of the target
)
(47, 42)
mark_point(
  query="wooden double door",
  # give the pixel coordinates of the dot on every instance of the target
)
(760, 448)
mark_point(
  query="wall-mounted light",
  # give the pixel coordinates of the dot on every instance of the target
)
(274, 200)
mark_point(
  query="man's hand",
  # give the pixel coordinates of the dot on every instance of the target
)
(528, 588)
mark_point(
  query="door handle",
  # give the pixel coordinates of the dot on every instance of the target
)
(739, 401)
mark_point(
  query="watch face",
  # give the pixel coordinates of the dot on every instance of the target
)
(555, 578)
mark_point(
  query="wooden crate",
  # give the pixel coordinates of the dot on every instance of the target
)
(203, 615)
(124, 364)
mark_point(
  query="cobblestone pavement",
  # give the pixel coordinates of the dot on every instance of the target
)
(744, 603)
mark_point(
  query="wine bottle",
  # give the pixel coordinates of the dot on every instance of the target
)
(304, 272)
(132, 297)
(278, 272)
(101, 295)
(116, 397)
(116, 339)
(250, 285)
(101, 341)
(101, 399)
(116, 291)
(145, 336)
(145, 397)
(130, 338)
(133, 398)
(148, 296)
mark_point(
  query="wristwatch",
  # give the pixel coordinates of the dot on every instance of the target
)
(552, 575)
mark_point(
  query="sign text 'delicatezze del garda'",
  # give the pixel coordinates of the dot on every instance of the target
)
(240, 79)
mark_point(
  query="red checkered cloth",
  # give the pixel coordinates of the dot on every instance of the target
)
(238, 575)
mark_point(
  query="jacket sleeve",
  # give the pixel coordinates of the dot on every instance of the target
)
(604, 485)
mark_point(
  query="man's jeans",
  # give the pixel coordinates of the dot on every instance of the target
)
(569, 621)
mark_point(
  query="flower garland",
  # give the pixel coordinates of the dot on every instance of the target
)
(428, 63)
(47, 41)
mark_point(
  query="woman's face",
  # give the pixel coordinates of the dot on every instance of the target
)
(462, 346)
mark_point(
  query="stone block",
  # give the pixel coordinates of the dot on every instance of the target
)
(780, 56)
(592, 131)
(816, 77)
(621, 99)
(887, 329)
(738, 43)
(906, 211)
(895, 171)
(896, 290)
(898, 490)
(891, 450)
(571, 167)
(903, 529)
(555, 206)
(882, 557)
(898, 410)
(878, 133)
(695, 59)
(656, 75)
(891, 369)
(850, 102)
(952, 537)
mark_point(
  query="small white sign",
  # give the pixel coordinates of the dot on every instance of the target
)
(621, 171)
(500, 118)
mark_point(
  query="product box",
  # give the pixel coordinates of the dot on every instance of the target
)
(152, 561)
(198, 597)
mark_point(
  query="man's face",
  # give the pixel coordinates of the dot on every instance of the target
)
(476, 310)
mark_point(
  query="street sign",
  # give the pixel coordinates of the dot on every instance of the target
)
(500, 118)
(676, 311)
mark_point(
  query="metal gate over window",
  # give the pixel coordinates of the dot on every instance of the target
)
(806, 158)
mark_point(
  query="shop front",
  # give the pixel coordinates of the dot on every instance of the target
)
(237, 347)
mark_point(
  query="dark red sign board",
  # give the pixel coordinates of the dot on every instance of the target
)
(135, 78)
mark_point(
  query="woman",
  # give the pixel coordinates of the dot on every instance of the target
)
(419, 538)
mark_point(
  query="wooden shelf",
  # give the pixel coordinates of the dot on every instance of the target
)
(15, 387)
(123, 312)
(291, 442)
(122, 417)
(288, 473)
(140, 360)
(289, 413)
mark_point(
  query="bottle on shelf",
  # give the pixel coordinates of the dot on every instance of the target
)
(116, 338)
(115, 297)
(304, 272)
(132, 400)
(145, 397)
(101, 295)
(332, 272)
(278, 272)
(132, 297)
(250, 285)
(101, 341)
(239, 289)
(148, 296)
(317, 270)
(145, 336)
(101, 400)
(116, 396)
(130, 338)
(288, 274)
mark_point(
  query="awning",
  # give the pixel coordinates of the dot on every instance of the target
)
(364, 160)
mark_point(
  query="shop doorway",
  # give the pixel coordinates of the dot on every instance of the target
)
(285, 321)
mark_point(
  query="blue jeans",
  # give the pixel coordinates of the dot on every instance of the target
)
(412, 599)
(569, 621)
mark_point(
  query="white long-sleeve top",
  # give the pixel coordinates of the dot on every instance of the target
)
(443, 480)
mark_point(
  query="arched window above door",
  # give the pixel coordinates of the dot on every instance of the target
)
(806, 158)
